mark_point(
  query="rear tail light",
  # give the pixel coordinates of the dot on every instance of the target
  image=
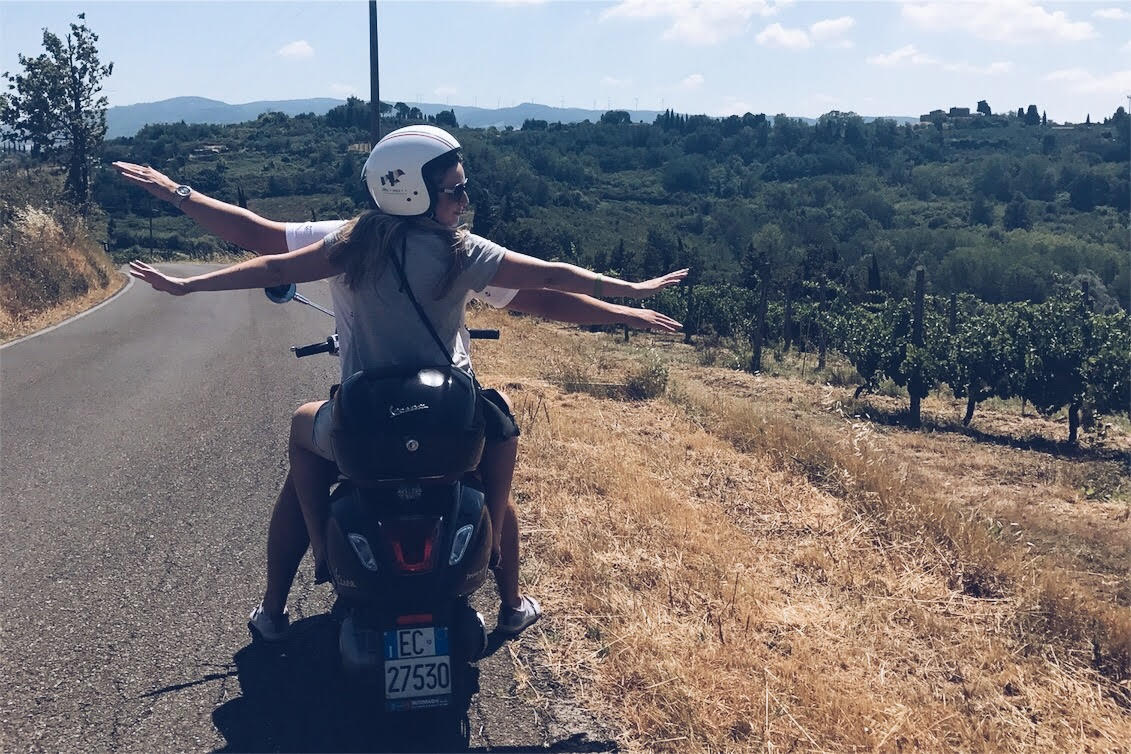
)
(412, 541)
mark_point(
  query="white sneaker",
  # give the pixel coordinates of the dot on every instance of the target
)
(514, 621)
(263, 627)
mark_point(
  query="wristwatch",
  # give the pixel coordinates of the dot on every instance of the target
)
(182, 192)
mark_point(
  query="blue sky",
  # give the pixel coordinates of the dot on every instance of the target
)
(710, 56)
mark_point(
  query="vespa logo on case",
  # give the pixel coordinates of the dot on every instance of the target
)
(395, 411)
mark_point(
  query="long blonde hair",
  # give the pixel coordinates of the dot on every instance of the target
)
(365, 243)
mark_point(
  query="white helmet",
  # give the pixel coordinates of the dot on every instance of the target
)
(394, 171)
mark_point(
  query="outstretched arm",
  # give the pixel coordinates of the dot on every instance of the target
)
(234, 224)
(302, 266)
(586, 310)
(521, 271)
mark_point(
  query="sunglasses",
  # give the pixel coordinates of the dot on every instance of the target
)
(456, 192)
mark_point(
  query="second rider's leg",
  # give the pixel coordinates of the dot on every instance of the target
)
(287, 541)
(497, 469)
(313, 475)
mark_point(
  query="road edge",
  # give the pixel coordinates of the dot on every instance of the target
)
(80, 315)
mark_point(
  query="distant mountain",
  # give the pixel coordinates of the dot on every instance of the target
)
(126, 120)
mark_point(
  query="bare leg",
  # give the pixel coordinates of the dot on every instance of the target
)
(312, 475)
(497, 468)
(506, 574)
(286, 544)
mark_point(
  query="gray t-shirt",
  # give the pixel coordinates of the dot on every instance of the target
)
(379, 326)
(304, 234)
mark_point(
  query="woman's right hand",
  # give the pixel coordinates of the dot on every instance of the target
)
(154, 181)
(159, 280)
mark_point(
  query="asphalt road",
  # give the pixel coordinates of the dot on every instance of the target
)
(141, 449)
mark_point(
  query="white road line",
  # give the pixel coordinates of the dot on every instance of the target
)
(126, 287)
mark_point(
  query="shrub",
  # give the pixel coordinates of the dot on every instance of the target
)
(650, 381)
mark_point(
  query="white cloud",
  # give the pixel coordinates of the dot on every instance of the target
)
(776, 35)
(1085, 82)
(298, 50)
(343, 90)
(831, 27)
(905, 54)
(444, 90)
(694, 81)
(1126, 46)
(615, 82)
(1112, 14)
(1016, 21)
(993, 69)
(827, 31)
(733, 106)
(910, 55)
(699, 22)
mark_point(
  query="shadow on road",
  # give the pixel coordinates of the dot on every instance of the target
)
(295, 699)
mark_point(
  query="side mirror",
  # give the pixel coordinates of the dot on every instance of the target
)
(281, 294)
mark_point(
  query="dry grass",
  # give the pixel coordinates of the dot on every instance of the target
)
(724, 573)
(50, 268)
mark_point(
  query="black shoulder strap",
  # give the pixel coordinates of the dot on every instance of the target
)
(400, 263)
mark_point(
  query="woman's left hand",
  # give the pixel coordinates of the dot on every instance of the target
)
(159, 280)
(655, 285)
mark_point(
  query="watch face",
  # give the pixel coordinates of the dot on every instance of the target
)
(183, 191)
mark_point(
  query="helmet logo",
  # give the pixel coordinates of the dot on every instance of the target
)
(392, 178)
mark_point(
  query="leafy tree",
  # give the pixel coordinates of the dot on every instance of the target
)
(1056, 353)
(984, 108)
(1017, 214)
(616, 118)
(353, 114)
(1032, 116)
(995, 179)
(1035, 179)
(54, 104)
(980, 211)
(987, 355)
(1087, 191)
(447, 118)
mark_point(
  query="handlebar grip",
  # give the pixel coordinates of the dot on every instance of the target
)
(326, 346)
(484, 334)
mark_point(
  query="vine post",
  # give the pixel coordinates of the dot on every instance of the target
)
(915, 382)
(760, 321)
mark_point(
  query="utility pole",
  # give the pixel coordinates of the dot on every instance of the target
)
(374, 78)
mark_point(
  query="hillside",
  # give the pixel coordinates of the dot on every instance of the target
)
(50, 265)
(996, 208)
(748, 564)
(127, 120)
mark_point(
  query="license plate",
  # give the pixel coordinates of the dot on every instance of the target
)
(417, 665)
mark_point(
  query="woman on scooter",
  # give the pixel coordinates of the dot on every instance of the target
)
(416, 178)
